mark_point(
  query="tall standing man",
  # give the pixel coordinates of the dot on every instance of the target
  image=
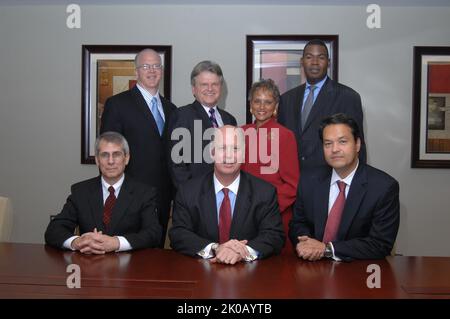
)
(207, 83)
(140, 115)
(303, 108)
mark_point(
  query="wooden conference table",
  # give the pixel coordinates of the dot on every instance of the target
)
(39, 271)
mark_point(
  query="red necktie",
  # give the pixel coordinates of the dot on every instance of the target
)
(225, 218)
(334, 217)
(109, 204)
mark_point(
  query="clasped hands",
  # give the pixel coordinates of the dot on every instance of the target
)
(231, 252)
(95, 243)
(310, 248)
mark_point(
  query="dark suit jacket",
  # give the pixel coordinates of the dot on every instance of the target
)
(333, 98)
(184, 117)
(134, 214)
(256, 216)
(128, 114)
(370, 219)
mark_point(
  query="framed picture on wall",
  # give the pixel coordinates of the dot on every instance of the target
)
(431, 108)
(108, 70)
(278, 57)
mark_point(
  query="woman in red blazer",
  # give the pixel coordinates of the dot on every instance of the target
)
(271, 149)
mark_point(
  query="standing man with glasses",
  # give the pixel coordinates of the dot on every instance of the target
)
(140, 115)
(207, 83)
(303, 107)
(113, 211)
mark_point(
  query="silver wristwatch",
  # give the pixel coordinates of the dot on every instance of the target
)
(328, 253)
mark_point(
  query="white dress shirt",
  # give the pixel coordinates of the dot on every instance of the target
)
(216, 114)
(233, 187)
(334, 192)
(123, 242)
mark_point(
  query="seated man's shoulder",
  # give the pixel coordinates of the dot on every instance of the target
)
(86, 184)
(258, 184)
(379, 178)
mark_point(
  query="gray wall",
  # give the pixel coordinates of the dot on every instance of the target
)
(40, 92)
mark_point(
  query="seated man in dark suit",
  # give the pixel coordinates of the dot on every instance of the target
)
(113, 212)
(227, 215)
(349, 210)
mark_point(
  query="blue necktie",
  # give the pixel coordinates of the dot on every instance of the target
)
(308, 105)
(158, 118)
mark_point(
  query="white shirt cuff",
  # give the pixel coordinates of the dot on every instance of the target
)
(334, 256)
(253, 254)
(206, 252)
(68, 242)
(124, 245)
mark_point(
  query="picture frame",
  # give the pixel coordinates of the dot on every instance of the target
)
(107, 70)
(278, 57)
(431, 107)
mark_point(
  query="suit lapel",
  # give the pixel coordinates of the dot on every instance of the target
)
(96, 204)
(297, 109)
(208, 207)
(121, 205)
(322, 102)
(143, 107)
(165, 105)
(241, 207)
(321, 198)
(200, 111)
(353, 201)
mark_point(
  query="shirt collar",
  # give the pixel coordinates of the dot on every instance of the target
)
(146, 93)
(116, 186)
(318, 85)
(348, 180)
(233, 187)
(207, 108)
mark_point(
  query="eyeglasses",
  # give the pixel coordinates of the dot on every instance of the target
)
(150, 66)
(115, 155)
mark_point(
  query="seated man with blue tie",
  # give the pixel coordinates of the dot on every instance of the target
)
(348, 210)
(227, 215)
(113, 211)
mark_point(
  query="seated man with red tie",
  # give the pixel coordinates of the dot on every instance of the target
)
(227, 215)
(113, 212)
(348, 210)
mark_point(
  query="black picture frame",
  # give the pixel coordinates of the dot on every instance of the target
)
(431, 107)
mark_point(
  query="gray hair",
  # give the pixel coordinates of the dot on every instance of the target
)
(146, 50)
(114, 138)
(208, 66)
(266, 85)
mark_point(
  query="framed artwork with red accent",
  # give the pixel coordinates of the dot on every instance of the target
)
(278, 57)
(108, 70)
(431, 107)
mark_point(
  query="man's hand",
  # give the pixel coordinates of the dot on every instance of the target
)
(231, 252)
(95, 243)
(309, 248)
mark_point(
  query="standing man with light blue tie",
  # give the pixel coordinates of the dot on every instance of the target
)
(140, 115)
(303, 108)
(204, 113)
